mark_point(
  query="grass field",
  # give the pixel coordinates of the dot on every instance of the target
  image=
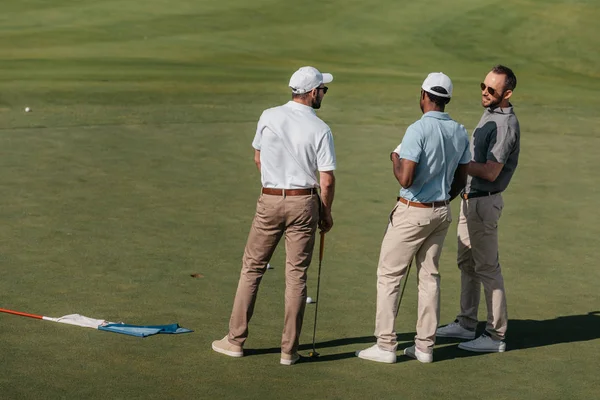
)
(134, 170)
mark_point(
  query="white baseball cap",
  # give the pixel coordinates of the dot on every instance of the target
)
(307, 78)
(438, 79)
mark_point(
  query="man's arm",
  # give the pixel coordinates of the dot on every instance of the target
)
(488, 171)
(460, 180)
(327, 183)
(404, 170)
(257, 158)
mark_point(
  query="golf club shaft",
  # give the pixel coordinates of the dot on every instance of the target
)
(403, 287)
(321, 246)
(321, 249)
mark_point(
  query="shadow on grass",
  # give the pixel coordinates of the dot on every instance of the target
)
(402, 337)
(531, 333)
(528, 333)
(523, 334)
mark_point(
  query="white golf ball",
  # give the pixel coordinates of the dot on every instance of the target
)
(309, 300)
(269, 266)
(27, 109)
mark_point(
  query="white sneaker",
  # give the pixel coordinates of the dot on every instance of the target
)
(484, 344)
(289, 359)
(374, 353)
(454, 330)
(417, 354)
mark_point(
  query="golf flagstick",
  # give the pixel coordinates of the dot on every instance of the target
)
(103, 325)
(71, 319)
(321, 249)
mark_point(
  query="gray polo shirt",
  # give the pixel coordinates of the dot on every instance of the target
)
(497, 138)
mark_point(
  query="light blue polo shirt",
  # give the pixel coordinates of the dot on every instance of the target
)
(437, 144)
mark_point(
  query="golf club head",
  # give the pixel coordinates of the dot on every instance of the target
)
(313, 354)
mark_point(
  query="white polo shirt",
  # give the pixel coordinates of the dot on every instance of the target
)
(294, 144)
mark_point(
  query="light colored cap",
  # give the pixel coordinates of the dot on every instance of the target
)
(307, 78)
(438, 79)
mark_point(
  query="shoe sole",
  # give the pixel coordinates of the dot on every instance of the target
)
(414, 357)
(284, 361)
(236, 354)
(390, 361)
(482, 350)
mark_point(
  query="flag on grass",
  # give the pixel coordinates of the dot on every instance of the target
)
(103, 325)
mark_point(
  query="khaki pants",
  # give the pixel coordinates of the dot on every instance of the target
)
(297, 218)
(419, 233)
(479, 264)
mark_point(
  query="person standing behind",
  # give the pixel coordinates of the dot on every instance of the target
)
(290, 146)
(430, 165)
(495, 147)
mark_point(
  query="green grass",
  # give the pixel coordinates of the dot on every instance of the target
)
(134, 170)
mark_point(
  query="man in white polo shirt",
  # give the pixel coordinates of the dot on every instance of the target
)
(291, 145)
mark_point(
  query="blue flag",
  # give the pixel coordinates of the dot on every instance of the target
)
(143, 331)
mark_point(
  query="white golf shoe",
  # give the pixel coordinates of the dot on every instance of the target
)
(418, 355)
(374, 353)
(289, 359)
(484, 344)
(454, 330)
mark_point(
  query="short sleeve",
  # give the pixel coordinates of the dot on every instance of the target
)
(256, 143)
(466, 156)
(501, 144)
(326, 153)
(412, 144)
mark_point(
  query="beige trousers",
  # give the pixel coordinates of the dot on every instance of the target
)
(296, 217)
(417, 233)
(479, 264)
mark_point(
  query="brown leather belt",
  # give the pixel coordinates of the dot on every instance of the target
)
(423, 205)
(289, 192)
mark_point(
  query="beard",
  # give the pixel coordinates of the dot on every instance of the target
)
(494, 102)
(316, 104)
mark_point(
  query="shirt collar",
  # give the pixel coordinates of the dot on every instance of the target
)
(300, 107)
(500, 110)
(436, 114)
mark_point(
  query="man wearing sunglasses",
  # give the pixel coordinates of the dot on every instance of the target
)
(291, 146)
(495, 146)
(431, 168)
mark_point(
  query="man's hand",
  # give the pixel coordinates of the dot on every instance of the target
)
(325, 221)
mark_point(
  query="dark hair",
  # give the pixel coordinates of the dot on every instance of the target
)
(438, 100)
(510, 83)
(300, 96)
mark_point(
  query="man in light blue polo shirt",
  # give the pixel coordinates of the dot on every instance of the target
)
(436, 144)
(431, 167)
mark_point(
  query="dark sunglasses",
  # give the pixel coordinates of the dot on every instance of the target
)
(489, 89)
(324, 89)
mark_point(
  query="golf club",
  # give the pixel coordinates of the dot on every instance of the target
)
(313, 353)
(403, 287)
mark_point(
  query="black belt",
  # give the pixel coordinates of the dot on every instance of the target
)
(473, 195)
